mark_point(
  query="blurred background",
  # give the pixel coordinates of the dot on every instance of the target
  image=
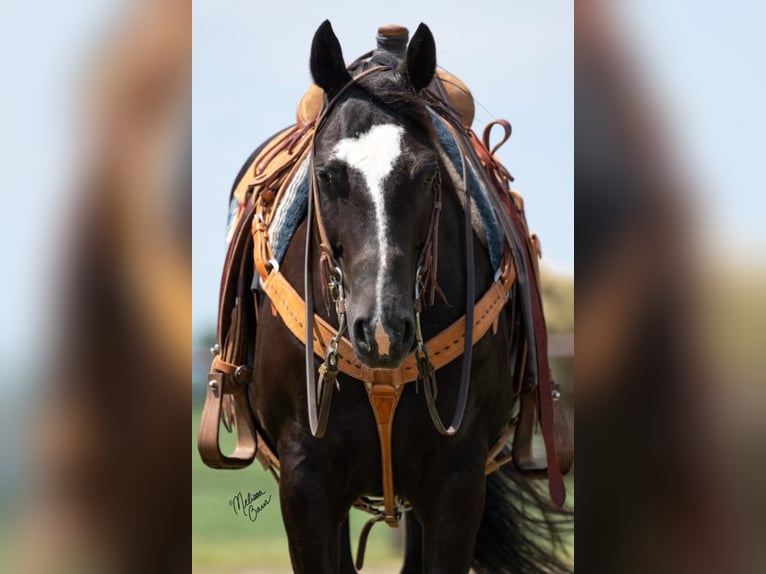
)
(101, 247)
(670, 284)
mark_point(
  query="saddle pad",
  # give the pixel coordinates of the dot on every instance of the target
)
(291, 210)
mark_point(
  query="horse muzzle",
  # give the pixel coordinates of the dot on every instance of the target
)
(383, 343)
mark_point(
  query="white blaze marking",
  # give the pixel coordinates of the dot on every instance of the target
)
(382, 339)
(373, 154)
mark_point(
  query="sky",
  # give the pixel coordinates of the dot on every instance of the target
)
(704, 64)
(251, 68)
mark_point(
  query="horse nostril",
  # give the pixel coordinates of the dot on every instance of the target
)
(360, 335)
(377, 341)
(409, 331)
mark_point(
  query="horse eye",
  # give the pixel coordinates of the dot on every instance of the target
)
(323, 176)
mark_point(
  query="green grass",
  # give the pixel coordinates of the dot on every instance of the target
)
(225, 542)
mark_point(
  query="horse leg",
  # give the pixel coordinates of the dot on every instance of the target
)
(450, 516)
(413, 550)
(312, 516)
(346, 557)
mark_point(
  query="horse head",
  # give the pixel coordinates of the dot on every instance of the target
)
(376, 169)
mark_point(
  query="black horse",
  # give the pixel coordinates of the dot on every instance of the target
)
(376, 163)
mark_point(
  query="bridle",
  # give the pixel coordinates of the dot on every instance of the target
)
(319, 394)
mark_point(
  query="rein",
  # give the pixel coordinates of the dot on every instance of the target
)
(425, 367)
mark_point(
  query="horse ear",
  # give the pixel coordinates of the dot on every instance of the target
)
(327, 66)
(419, 65)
